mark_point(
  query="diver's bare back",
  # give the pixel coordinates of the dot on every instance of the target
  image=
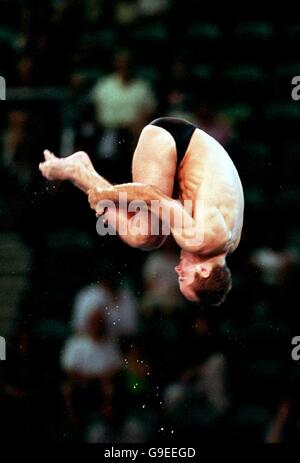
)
(206, 173)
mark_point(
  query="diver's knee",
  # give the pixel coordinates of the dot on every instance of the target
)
(141, 241)
(153, 242)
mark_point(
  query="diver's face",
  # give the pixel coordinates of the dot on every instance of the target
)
(186, 270)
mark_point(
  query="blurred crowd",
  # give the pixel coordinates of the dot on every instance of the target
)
(103, 347)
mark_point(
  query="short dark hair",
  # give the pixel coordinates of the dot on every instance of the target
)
(214, 289)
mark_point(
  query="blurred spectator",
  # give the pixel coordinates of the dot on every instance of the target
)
(207, 380)
(120, 308)
(123, 105)
(274, 266)
(92, 352)
(198, 401)
(211, 381)
(91, 360)
(122, 100)
(86, 301)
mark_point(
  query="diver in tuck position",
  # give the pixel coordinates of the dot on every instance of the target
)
(174, 162)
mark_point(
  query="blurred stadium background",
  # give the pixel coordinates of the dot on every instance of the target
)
(101, 347)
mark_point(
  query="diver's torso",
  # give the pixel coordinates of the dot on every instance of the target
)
(207, 173)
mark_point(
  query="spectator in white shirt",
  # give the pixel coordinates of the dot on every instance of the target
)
(91, 360)
(120, 307)
(123, 104)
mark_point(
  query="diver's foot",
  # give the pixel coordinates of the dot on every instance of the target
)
(83, 158)
(54, 168)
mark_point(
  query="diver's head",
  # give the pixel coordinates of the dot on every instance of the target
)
(203, 280)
